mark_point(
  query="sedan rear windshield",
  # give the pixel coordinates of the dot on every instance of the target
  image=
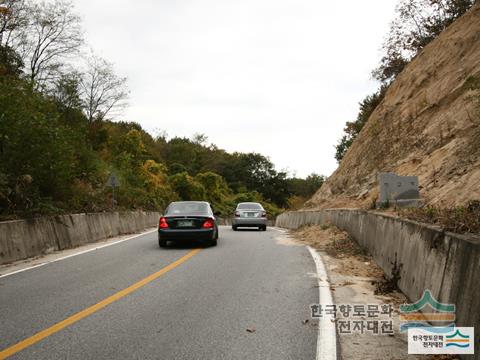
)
(187, 208)
(249, 206)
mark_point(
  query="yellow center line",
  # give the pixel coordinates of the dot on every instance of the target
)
(92, 309)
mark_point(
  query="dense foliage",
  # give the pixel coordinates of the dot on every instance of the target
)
(416, 24)
(58, 147)
(53, 160)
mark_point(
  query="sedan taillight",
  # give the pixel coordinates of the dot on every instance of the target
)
(163, 224)
(208, 224)
(264, 214)
(237, 213)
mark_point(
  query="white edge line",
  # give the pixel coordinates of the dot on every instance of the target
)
(76, 254)
(327, 335)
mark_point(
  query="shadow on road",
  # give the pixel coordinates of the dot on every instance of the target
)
(185, 244)
(248, 229)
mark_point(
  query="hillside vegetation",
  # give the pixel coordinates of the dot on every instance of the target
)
(427, 123)
(58, 145)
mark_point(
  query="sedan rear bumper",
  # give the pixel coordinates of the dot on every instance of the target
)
(200, 235)
(249, 222)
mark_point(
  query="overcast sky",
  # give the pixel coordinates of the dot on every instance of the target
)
(279, 77)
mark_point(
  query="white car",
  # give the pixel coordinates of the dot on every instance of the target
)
(249, 214)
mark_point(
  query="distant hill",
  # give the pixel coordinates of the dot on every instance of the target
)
(428, 125)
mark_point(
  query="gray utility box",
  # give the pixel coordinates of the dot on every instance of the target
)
(398, 190)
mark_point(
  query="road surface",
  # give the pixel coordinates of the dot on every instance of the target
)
(133, 300)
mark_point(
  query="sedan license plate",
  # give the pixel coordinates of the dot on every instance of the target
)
(251, 214)
(185, 223)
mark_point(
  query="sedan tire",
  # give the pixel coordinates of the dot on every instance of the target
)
(162, 243)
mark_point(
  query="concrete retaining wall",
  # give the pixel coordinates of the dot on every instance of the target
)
(22, 239)
(448, 264)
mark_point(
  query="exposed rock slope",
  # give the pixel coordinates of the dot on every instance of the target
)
(427, 125)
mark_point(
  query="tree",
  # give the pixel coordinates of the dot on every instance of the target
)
(67, 91)
(258, 174)
(258, 170)
(200, 139)
(103, 92)
(352, 129)
(13, 17)
(216, 189)
(53, 33)
(342, 146)
(10, 62)
(277, 190)
(187, 187)
(38, 170)
(305, 188)
(159, 192)
(131, 150)
(390, 66)
(417, 23)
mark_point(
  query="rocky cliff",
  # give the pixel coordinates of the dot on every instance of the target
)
(427, 125)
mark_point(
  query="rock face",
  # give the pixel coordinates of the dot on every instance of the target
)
(427, 125)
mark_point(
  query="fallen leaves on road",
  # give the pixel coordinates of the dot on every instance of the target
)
(251, 329)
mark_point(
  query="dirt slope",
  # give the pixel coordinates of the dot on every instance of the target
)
(427, 125)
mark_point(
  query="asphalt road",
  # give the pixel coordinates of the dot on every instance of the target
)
(200, 308)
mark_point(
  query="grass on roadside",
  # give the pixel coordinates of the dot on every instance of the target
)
(460, 219)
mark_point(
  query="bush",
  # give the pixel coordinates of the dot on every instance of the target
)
(461, 219)
(352, 129)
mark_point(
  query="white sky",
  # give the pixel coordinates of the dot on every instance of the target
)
(278, 77)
